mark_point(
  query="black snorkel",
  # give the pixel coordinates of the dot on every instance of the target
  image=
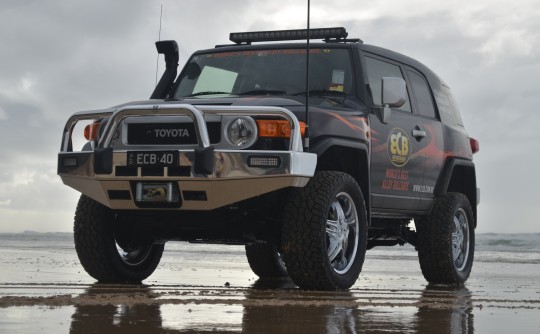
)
(170, 50)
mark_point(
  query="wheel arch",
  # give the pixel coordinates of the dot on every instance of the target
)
(459, 175)
(348, 156)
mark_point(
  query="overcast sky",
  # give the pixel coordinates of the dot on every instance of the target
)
(58, 57)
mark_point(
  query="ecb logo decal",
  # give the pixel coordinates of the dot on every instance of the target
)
(399, 147)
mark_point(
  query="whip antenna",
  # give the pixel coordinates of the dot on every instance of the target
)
(306, 134)
(159, 39)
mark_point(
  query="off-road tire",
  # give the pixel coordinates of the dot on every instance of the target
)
(265, 261)
(305, 235)
(96, 246)
(447, 231)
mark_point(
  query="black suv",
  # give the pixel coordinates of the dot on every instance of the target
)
(306, 171)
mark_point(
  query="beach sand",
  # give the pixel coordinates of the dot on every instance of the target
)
(209, 288)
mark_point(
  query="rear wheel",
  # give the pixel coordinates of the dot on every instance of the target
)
(266, 261)
(104, 253)
(446, 240)
(324, 233)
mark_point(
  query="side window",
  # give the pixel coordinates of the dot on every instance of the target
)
(422, 94)
(376, 70)
(447, 106)
(455, 109)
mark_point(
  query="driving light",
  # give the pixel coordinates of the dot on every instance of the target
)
(69, 162)
(241, 132)
(264, 161)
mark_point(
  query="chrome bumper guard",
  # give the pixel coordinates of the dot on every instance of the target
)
(204, 179)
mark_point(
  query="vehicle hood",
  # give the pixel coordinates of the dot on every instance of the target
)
(230, 101)
(296, 104)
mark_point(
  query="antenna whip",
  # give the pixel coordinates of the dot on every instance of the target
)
(159, 39)
(306, 139)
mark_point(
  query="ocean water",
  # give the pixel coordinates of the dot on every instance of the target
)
(514, 248)
(490, 247)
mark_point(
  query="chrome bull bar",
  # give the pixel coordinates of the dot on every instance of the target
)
(221, 176)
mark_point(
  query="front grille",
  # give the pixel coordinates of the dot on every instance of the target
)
(169, 133)
(152, 171)
(126, 171)
(119, 194)
(148, 171)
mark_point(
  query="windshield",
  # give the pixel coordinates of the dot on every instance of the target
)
(267, 72)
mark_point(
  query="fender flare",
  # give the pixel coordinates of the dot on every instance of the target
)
(469, 188)
(362, 176)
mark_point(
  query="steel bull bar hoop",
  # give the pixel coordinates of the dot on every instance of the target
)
(196, 114)
(204, 152)
(104, 153)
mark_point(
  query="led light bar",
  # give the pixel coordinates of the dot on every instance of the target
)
(264, 161)
(69, 162)
(288, 35)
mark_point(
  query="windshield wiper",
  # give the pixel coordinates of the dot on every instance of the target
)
(331, 95)
(263, 92)
(208, 93)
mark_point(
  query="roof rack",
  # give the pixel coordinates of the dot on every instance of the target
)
(337, 34)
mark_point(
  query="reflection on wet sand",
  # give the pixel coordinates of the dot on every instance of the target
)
(110, 318)
(211, 289)
(445, 309)
(138, 318)
(268, 307)
(294, 318)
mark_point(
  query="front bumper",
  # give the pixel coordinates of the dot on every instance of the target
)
(204, 178)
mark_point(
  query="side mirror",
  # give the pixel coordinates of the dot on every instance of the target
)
(394, 95)
(394, 92)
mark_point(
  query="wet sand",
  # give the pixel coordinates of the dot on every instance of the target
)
(208, 288)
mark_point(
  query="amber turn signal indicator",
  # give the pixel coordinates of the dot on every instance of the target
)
(277, 128)
(91, 131)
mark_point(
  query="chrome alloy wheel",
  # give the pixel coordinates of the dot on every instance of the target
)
(342, 233)
(460, 240)
(134, 257)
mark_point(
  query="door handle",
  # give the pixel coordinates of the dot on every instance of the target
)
(418, 134)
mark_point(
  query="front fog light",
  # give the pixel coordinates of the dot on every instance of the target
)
(241, 132)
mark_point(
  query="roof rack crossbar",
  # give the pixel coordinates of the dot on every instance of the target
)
(343, 40)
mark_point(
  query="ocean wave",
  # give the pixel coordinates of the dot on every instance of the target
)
(490, 247)
(521, 243)
(507, 257)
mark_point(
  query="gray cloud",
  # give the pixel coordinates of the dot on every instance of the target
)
(59, 57)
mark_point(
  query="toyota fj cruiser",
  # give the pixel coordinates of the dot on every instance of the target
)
(308, 171)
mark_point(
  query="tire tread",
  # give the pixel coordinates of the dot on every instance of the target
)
(304, 239)
(435, 241)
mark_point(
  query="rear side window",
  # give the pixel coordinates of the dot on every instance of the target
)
(452, 102)
(422, 94)
(447, 106)
(376, 70)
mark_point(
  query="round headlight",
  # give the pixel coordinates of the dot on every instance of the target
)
(241, 132)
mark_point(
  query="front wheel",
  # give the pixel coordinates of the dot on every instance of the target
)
(446, 240)
(266, 261)
(324, 233)
(104, 255)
